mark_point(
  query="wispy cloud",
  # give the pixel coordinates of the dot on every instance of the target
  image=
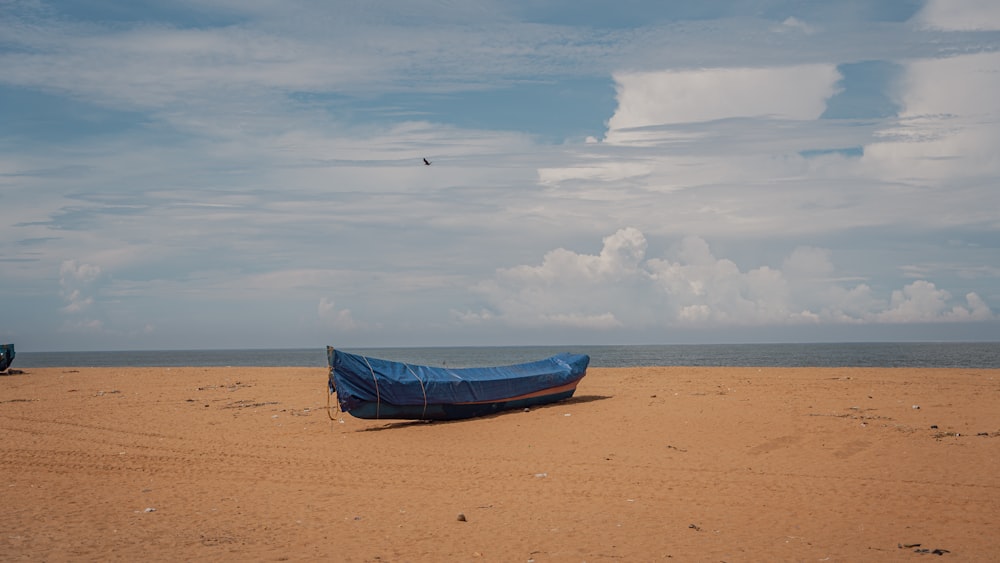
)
(253, 170)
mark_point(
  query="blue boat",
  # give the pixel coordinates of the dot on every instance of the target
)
(373, 388)
(6, 356)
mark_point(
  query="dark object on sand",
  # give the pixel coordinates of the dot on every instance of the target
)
(375, 389)
(6, 355)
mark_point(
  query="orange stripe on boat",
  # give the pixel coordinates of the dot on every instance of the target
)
(550, 391)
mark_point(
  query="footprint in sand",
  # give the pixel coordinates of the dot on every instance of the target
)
(849, 449)
(775, 444)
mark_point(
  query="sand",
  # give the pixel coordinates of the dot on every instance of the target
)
(643, 464)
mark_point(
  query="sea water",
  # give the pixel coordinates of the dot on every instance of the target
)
(980, 355)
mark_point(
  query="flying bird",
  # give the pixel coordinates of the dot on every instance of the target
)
(427, 162)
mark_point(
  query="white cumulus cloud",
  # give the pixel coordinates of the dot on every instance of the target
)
(337, 318)
(622, 287)
(686, 96)
(945, 133)
(76, 283)
(960, 15)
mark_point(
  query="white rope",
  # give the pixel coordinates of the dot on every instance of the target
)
(378, 398)
(329, 411)
(422, 390)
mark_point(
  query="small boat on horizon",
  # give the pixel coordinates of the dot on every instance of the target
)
(372, 388)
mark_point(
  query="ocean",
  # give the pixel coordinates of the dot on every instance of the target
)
(976, 355)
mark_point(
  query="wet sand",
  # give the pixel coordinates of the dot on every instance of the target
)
(643, 464)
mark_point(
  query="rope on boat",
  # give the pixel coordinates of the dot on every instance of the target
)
(422, 390)
(331, 385)
(333, 390)
(378, 398)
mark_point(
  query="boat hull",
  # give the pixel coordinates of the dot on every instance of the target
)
(456, 411)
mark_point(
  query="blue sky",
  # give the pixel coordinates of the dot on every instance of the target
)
(223, 173)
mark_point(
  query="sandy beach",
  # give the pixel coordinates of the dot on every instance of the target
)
(643, 464)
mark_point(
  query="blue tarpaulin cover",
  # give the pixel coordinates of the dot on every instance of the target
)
(359, 379)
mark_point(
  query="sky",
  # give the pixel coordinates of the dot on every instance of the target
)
(249, 174)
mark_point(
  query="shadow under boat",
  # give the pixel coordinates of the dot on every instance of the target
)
(505, 412)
